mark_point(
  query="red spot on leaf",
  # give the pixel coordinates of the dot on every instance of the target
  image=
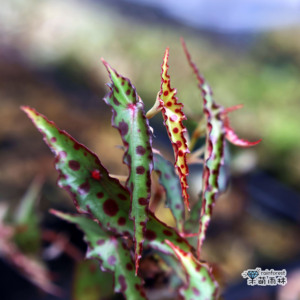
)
(121, 221)
(129, 267)
(150, 235)
(140, 170)
(175, 130)
(100, 195)
(96, 174)
(123, 127)
(74, 165)
(116, 102)
(140, 150)
(53, 139)
(143, 201)
(166, 93)
(179, 144)
(167, 232)
(110, 207)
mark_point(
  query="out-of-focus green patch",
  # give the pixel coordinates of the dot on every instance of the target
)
(90, 283)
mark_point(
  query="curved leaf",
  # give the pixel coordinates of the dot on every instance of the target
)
(129, 118)
(112, 253)
(169, 180)
(82, 175)
(173, 117)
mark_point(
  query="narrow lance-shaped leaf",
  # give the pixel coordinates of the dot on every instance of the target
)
(173, 117)
(85, 179)
(169, 180)
(112, 254)
(217, 127)
(129, 118)
(94, 192)
(200, 284)
(214, 151)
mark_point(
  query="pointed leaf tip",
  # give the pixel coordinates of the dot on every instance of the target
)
(173, 116)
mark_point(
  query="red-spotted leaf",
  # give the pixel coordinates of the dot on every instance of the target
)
(157, 232)
(129, 118)
(200, 284)
(94, 192)
(90, 283)
(171, 183)
(214, 151)
(85, 179)
(173, 117)
(217, 127)
(112, 253)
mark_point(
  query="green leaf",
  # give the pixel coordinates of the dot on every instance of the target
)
(129, 118)
(27, 235)
(200, 283)
(112, 253)
(90, 283)
(171, 183)
(83, 176)
(94, 192)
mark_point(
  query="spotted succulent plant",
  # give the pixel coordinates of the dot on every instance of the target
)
(115, 218)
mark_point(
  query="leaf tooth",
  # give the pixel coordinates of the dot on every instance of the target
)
(231, 136)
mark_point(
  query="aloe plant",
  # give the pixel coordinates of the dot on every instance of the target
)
(115, 218)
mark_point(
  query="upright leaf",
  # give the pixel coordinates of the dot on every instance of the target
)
(200, 284)
(112, 254)
(217, 127)
(129, 118)
(214, 151)
(173, 117)
(169, 180)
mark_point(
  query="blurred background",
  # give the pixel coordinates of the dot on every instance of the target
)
(249, 51)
